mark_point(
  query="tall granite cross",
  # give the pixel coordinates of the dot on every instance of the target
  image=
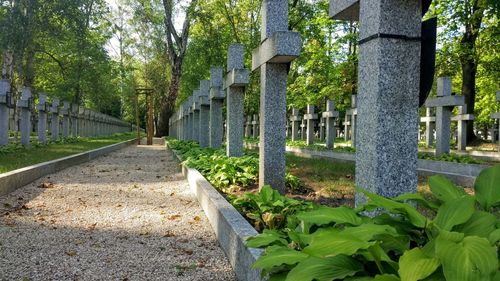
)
(4, 111)
(388, 92)
(444, 104)
(42, 118)
(353, 119)
(303, 127)
(310, 118)
(65, 113)
(255, 125)
(190, 135)
(497, 116)
(462, 118)
(203, 127)
(216, 103)
(295, 120)
(322, 128)
(54, 123)
(24, 104)
(74, 119)
(429, 121)
(237, 77)
(278, 48)
(248, 126)
(196, 115)
(330, 115)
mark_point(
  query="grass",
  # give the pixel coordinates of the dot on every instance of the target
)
(27, 156)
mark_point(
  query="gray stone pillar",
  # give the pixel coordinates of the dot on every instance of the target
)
(429, 121)
(322, 129)
(42, 118)
(190, 119)
(310, 118)
(353, 114)
(54, 123)
(24, 105)
(386, 136)
(295, 120)
(196, 116)
(204, 129)
(4, 111)
(74, 119)
(278, 48)
(217, 96)
(248, 128)
(497, 116)
(444, 103)
(462, 118)
(65, 113)
(330, 115)
(237, 77)
(255, 126)
(303, 127)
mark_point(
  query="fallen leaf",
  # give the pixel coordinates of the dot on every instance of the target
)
(173, 217)
(169, 234)
(71, 253)
(91, 227)
(197, 218)
(46, 185)
(172, 194)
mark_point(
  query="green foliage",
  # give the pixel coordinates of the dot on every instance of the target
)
(450, 236)
(449, 157)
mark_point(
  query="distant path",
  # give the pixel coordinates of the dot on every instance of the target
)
(125, 216)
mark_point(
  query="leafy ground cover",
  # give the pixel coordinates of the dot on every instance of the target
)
(15, 156)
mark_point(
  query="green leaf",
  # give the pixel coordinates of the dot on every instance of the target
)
(444, 189)
(487, 187)
(418, 198)
(472, 259)
(480, 224)
(414, 265)
(326, 269)
(325, 246)
(494, 236)
(278, 257)
(268, 237)
(326, 215)
(454, 212)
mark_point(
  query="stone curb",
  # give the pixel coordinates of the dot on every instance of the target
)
(229, 226)
(461, 174)
(15, 179)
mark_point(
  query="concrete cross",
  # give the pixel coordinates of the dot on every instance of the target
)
(330, 115)
(217, 97)
(351, 115)
(237, 77)
(429, 121)
(248, 128)
(42, 118)
(65, 113)
(54, 123)
(303, 127)
(4, 111)
(386, 131)
(322, 125)
(196, 115)
(255, 125)
(462, 118)
(310, 118)
(295, 119)
(444, 104)
(278, 48)
(24, 104)
(204, 130)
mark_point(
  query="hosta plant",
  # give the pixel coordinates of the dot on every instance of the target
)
(450, 236)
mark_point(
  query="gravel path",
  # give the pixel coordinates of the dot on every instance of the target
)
(125, 216)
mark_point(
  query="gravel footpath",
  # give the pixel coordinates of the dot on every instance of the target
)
(126, 216)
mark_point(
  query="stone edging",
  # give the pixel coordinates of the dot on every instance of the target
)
(229, 226)
(15, 179)
(459, 173)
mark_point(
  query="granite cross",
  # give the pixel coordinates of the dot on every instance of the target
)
(196, 115)
(216, 103)
(295, 120)
(444, 104)
(4, 111)
(237, 77)
(248, 129)
(462, 118)
(65, 113)
(429, 121)
(303, 127)
(330, 115)
(353, 119)
(322, 125)
(24, 104)
(42, 117)
(310, 118)
(203, 127)
(255, 125)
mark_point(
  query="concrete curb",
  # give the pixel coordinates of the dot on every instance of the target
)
(461, 174)
(15, 179)
(229, 226)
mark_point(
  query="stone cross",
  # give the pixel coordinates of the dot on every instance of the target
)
(196, 115)
(237, 77)
(204, 130)
(429, 121)
(24, 104)
(54, 123)
(42, 118)
(65, 113)
(187, 119)
(388, 89)
(255, 125)
(303, 127)
(497, 116)
(330, 115)
(444, 103)
(190, 119)
(4, 111)
(462, 118)
(322, 129)
(216, 103)
(310, 118)
(295, 120)
(248, 128)
(278, 48)
(74, 119)
(353, 114)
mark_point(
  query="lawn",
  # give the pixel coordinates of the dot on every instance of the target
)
(15, 158)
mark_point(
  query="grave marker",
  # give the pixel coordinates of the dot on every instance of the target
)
(322, 129)
(330, 115)
(429, 121)
(203, 127)
(255, 125)
(217, 96)
(42, 118)
(4, 111)
(353, 114)
(462, 118)
(303, 127)
(65, 113)
(237, 77)
(196, 115)
(24, 104)
(497, 116)
(54, 123)
(190, 118)
(248, 128)
(310, 118)
(295, 120)
(444, 103)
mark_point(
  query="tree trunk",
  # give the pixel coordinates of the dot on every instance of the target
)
(469, 69)
(168, 103)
